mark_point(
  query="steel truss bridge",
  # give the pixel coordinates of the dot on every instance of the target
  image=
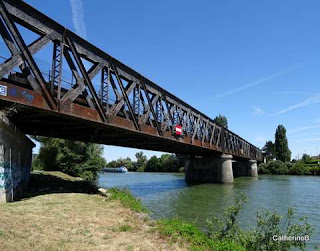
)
(123, 109)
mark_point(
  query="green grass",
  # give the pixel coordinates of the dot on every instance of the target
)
(127, 199)
(124, 228)
(198, 240)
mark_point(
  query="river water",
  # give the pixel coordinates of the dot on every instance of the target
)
(167, 195)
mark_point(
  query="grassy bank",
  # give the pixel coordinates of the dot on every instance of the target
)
(61, 212)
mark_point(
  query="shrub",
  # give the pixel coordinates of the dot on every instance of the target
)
(315, 170)
(270, 224)
(262, 169)
(277, 167)
(313, 161)
(260, 237)
(299, 168)
(176, 229)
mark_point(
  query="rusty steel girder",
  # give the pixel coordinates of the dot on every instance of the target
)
(140, 108)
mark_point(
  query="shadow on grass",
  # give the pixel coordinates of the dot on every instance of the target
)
(42, 183)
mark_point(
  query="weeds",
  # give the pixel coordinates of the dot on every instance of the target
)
(127, 199)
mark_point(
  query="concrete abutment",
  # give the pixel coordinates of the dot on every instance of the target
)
(15, 160)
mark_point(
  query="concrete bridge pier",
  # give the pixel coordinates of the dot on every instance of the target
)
(209, 169)
(15, 160)
(245, 168)
(253, 168)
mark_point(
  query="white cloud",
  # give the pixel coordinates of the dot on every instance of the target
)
(257, 111)
(308, 139)
(307, 135)
(257, 82)
(78, 18)
(309, 101)
(303, 128)
(294, 93)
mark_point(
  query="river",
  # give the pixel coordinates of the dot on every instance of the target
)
(167, 195)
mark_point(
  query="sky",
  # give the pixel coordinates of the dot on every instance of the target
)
(256, 62)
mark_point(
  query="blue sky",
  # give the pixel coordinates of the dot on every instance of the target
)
(256, 62)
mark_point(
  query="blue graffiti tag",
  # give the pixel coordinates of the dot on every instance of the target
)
(29, 97)
(13, 92)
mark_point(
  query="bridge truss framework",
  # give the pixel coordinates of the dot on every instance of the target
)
(125, 109)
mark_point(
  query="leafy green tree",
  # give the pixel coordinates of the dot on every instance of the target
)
(281, 144)
(153, 165)
(306, 158)
(140, 164)
(269, 150)
(166, 163)
(170, 163)
(121, 162)
(221, 120)
(72, 157)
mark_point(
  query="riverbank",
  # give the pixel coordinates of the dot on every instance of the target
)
(278, 167)
(61, 212)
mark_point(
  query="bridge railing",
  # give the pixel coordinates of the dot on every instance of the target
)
(105, 84)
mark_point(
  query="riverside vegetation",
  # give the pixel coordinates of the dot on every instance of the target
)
(81, 219)
(165, 163)
(305, 166)
(278, 156)
(75, 158)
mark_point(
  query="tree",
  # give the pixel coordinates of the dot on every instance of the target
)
(153, 165)
(72, 157)
(121, 162)
(269, 150)
(281, 144)
(140, 164)
(306, 158)
(221, 120)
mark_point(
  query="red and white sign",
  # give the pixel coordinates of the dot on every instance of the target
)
(178, 129)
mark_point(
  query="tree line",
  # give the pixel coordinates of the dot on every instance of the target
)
(165, 163)
(278, 156)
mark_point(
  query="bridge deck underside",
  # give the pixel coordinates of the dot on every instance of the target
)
(45, 123)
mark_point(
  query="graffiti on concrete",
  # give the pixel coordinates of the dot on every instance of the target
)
(5, 177)
(10, 177)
